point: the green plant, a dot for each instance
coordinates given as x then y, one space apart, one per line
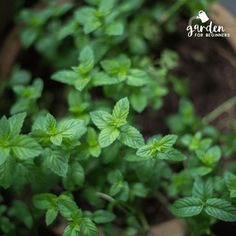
88 164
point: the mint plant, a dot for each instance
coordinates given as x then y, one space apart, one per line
85 162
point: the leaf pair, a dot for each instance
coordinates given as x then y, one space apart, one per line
94 18
79 76
161 148
202 200
119 70
114 126
12 143
47 130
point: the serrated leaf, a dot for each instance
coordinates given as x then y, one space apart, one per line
157 146
171 155
101 119
137 78
71 128
44 201
88 228
131 137
57 161
221 209
75 177
71 230
121 111
107 136
230 180
16 123
86 59
187 207
25 147
211 156
103 217
4 153
203 190
68 207
51 215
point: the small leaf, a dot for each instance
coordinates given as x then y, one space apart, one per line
108 136
86 59
68 207
131 137
220 209
45 201
16 123
230 180
101 119
51 215
103 217
137 78
88 228
115 29
171 155
71 230
121 111
203 190
187 207
25 147
57 161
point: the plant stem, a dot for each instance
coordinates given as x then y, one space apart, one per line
172 10
220 110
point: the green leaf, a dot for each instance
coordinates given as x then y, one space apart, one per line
68 207
107 136
16 123
203 190
187 207
210 157
66 76
131 137
57 161
71 230
138 101
45 201
25 147
103 217
87 17
51 215
101 119
4 128
71 128
171 155
118 67
120 112
7 171
75 177
4 153
88 228
230 180
114 29
86 59
137 77
220 209
106 6
157 146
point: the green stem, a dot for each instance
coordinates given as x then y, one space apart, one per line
128 210
220 110
172 10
